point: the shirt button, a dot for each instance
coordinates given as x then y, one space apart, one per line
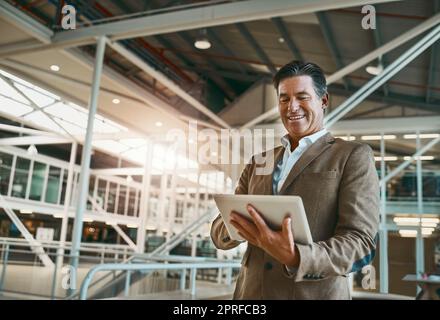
268 266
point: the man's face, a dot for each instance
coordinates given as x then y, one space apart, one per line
300 108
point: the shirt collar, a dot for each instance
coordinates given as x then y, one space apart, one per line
307 139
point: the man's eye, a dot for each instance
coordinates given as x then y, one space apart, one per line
303 98
284 100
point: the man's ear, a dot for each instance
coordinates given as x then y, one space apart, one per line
325 100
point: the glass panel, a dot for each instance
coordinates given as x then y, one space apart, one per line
53 185
20 178
64 187
91 188
131 202
111 198
5 172
37 181
101 192
122 196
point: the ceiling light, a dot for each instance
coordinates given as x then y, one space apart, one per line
422 136
57 215
32 150
116 101
110 223
374 70
87 220
129 179
55 67
385 158
202 42
131 226
385 137
159 124
150 228
25 211
421 158
408 233
281 40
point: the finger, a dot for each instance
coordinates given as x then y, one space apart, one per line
287 229
258 220
246 226
248 239
248 236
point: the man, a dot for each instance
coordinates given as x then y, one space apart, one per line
339 187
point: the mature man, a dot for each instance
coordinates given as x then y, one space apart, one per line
339 187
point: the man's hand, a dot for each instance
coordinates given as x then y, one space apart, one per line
279 244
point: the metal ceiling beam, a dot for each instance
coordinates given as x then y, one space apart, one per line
391 45
224 86
433 61
25 22
254 44
6 127
392 98
377 36
391 70
287 38
207 16
219 44
24 141
167 82
326 30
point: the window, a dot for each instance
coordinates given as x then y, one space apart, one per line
20 178
53 185
5 172
38 175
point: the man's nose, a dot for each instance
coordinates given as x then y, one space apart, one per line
294 105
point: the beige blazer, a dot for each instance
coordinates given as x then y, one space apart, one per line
339 187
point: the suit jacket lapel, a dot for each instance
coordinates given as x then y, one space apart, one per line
265 182
311 153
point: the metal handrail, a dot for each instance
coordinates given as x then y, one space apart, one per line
154 266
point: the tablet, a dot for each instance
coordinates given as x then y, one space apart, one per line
273 209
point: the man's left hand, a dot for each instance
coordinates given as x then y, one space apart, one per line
279 244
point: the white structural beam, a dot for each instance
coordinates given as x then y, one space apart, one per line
24 141
25 22
147 97
138 171
391 45
83 185
62 78
213 15
34 244
159 76
16 129
118 229
392 69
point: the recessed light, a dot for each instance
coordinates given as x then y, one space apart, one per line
129 179
159 124
116 101
214 153
281 40
55 67
25 211
202 44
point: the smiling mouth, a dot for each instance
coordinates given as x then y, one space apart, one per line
295 118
